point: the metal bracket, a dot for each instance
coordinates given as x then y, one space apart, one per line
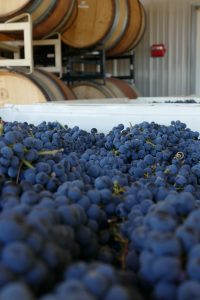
13 25
56 42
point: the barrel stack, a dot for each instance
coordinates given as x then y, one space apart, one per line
113 88
47 16
19 88
116 25
113 24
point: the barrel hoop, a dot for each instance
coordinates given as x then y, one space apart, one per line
53 82
139 26
115 21
127 26
34 5
126 41
143 29
67 92
67 16
123 28
48 11
39 79
52 21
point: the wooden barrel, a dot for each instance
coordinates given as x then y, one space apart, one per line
12 7
142 29
16 87
53 87
120 25
113 88
49 84
132 29
66 91
95 20
91 90
48 16
62 12
116 25
126 90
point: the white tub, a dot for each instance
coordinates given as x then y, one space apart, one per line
105 114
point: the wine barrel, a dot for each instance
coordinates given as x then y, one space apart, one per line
48 22
91 90
126 90
120 25
48 16
132 29
95 20
114 24
16 87
10 8
113 88
142 29
66 91
52 89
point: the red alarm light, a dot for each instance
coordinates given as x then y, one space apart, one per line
158 50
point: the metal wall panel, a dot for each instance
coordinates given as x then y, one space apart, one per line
172 22
169 22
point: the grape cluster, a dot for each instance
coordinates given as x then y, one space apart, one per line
186 101
86 215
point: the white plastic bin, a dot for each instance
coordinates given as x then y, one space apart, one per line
103 115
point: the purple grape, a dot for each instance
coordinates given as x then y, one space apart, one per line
18 257
17 291
12 230
189 290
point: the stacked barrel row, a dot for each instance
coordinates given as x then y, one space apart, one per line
48 16
116 25
111 88
17 87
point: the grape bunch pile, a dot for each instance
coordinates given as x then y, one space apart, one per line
186 101
87 215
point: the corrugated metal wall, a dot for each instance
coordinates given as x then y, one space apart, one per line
169 22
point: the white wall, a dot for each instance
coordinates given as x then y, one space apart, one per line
170 22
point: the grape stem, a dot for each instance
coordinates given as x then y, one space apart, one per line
50 152
63 126
123 245
150 143
27 163
117 189
1 127
19 170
